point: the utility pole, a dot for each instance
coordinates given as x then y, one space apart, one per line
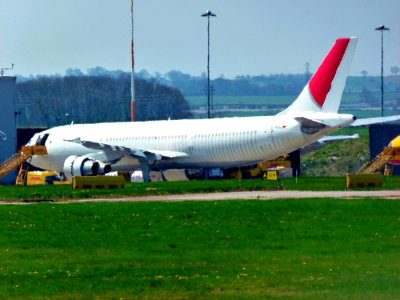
382 28
208 14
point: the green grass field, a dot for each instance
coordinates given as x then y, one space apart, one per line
259 100
285 101
282 100
286 249
65 192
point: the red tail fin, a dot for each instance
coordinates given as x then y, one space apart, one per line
320 83
324 90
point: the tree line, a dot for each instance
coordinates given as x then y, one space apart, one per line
245 85
48 101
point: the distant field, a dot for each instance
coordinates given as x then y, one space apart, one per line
286 249
64 192
272 112
231 114
282 100
259 100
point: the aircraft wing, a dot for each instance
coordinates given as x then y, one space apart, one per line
114 153
369 121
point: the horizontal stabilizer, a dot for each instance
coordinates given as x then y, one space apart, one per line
333 138
377 120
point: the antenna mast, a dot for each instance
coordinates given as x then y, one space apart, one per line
2 70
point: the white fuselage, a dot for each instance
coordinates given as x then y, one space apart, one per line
226 142
92 149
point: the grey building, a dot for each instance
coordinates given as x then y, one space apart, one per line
8 127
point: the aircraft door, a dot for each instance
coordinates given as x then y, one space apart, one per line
190 143
266 142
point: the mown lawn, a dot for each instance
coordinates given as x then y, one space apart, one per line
65 192
287 249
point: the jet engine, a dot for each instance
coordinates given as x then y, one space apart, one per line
83 166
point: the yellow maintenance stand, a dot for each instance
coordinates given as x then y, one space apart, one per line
18 159
369 174
389 157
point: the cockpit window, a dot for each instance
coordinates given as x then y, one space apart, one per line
42 140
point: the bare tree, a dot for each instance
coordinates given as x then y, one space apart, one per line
395 70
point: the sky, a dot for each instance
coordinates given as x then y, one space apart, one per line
248 37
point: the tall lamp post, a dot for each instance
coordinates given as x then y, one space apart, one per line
208 14
382 28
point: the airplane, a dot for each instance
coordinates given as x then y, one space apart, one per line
96 149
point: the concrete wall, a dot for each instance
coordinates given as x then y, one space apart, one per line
8 130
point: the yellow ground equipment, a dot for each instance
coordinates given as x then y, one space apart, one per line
364 180
19 158
272 175
274 164
258 170
44 177
385 159
97 182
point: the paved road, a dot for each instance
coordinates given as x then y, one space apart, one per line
258 195
251 195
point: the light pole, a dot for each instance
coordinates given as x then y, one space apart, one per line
381 28
208 14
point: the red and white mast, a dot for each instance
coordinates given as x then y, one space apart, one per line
133 102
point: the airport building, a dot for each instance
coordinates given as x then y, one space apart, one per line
8 124
380 136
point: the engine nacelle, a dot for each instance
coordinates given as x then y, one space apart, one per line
83 166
